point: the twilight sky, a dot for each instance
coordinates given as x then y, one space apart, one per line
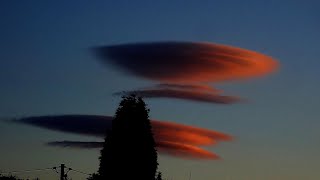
47 68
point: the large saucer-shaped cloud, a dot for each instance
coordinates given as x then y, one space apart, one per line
187 62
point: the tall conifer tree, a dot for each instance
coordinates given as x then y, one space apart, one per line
129 150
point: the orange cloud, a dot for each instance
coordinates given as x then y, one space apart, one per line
182 136
164 147
171 138
175 127
185 150
183 68
187 62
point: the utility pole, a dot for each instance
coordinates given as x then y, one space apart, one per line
62 172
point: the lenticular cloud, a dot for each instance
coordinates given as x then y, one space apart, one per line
186 66
171 138
188 87
180 70
198 96
187 61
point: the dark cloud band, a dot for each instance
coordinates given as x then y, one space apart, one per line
76 144
186 61
187 87
199 96
164 147
187 138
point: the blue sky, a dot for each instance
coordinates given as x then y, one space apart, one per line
46 68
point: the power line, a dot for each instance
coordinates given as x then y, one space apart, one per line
29 170
63 174
80 172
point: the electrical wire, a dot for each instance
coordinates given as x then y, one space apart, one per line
80 172
30 170
44 169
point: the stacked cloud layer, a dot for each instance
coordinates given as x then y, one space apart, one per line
184 68
171 138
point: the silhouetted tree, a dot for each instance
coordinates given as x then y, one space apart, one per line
8 177
159 176
94 176
129 149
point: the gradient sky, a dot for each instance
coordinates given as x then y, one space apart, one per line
46 68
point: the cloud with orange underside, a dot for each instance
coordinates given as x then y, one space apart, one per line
160 125
187 62
171 148
171 138
182 136
185 151
183 69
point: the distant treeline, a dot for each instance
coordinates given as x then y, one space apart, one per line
10 177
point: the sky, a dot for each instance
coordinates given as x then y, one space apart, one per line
47 68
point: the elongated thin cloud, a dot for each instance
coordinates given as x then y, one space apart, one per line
76 144
199 96
185 151
186 62
98 126
183 136
187 87
164 147
219 136
92 125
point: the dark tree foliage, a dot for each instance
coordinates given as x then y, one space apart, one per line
94 176
129 149
159 176
8 177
